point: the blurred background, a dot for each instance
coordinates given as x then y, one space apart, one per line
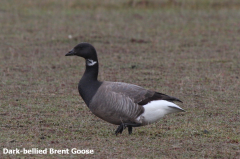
184 48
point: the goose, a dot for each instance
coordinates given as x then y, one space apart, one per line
123 104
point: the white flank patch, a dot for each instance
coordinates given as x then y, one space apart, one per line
155 110
91 62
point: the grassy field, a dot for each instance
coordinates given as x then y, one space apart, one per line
184 48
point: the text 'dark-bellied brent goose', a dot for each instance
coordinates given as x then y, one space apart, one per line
123 104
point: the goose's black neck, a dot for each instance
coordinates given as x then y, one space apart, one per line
89 84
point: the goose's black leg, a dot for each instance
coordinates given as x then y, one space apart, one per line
130 125
120 129
124 125
129 130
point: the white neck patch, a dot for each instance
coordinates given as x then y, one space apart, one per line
90 62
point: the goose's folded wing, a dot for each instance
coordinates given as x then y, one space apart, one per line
114 107
138 94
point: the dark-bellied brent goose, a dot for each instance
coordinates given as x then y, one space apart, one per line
123 104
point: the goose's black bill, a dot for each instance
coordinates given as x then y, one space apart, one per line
70 53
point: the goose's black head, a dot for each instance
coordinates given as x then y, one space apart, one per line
84 50
88 84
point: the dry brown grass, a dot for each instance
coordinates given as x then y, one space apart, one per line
187 49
